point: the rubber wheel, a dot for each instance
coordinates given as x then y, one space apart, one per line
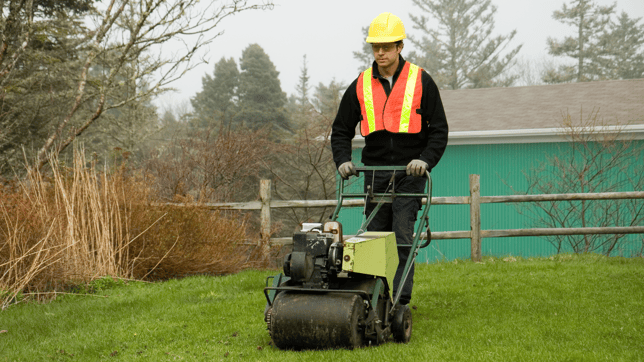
401 325
357 339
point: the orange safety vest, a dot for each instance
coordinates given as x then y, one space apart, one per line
396 113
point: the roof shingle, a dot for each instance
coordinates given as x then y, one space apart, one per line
617 102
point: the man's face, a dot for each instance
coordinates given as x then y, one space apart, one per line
385 54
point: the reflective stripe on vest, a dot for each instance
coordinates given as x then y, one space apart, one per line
371 119
396 113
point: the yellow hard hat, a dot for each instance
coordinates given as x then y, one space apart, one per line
386 28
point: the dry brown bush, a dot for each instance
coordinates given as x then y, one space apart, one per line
79 224
189 240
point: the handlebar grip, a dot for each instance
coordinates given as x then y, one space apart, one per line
380 168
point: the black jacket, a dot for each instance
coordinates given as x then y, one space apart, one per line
383 148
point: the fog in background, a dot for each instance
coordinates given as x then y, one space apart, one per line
329 31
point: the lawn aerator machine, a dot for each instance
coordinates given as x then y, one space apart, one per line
337 291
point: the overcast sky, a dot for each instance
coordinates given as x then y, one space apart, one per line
328 31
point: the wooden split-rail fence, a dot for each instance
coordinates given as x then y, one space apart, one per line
475 234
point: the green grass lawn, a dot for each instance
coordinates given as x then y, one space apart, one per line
567 308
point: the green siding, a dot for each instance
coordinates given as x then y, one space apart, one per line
501 168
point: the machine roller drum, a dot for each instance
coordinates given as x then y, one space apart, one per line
317 320
401 324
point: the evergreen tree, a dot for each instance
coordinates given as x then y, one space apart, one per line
623 48
49 7
216 103
365 55
327 98
460 51
169 125
590 21
40 47
261 99
303 87
128 128
299 105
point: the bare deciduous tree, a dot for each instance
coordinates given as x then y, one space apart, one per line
598 158
209 166
530 70
303 169
149 43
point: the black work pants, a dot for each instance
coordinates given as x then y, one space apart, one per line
398 216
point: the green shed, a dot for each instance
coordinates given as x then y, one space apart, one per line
500 134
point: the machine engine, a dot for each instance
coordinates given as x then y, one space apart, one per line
316 257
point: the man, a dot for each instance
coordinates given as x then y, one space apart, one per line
402 119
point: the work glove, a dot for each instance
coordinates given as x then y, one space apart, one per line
416 168
347 169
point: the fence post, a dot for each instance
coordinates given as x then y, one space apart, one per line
475 216
265 213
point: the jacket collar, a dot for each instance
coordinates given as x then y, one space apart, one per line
376 73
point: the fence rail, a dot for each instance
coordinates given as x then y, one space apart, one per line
475 234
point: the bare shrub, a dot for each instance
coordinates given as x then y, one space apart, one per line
78 224
209 166
188 240
598 158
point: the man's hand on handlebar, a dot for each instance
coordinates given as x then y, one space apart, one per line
417 168
347 169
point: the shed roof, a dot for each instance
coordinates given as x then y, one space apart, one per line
618 102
